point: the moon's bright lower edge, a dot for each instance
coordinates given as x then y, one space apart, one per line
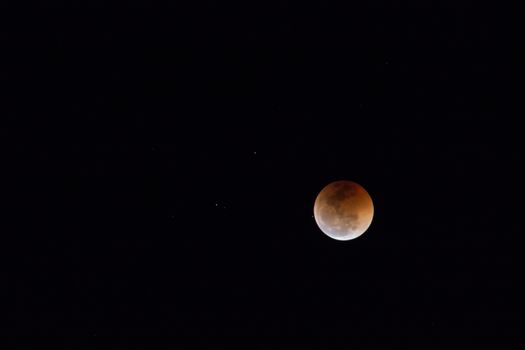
343 210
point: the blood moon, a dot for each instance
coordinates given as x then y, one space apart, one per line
343 210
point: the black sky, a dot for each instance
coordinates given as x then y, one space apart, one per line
161 167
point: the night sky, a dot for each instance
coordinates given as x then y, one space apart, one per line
160 170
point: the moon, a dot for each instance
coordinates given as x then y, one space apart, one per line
343 210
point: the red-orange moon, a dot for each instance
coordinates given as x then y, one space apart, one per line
343 210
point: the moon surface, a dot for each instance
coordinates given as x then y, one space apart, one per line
343 210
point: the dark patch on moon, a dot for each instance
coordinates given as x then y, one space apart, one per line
342 192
